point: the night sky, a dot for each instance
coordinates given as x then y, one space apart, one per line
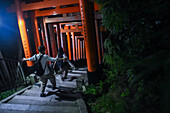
9 33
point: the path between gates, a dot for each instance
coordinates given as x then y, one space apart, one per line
64 99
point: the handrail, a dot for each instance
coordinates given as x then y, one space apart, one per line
11 74
9 59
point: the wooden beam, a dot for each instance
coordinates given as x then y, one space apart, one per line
42 5
71 30
72 23
80 37
68 19
57 10
62 19
46 4
50 3
72 27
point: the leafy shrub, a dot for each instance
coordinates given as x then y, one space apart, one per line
6 94
136 58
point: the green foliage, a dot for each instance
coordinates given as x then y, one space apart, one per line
125 93
109 104
6 94
136 58
91 90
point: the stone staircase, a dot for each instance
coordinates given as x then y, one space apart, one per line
64 99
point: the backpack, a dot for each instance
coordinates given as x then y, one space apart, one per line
39 71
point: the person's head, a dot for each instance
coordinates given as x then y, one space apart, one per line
41 49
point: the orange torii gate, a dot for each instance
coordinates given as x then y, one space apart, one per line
87 17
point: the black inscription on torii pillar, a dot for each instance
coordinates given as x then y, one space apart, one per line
83 21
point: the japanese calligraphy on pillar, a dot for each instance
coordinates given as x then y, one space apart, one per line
23 33
83 19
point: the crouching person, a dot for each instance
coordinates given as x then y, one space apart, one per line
43 59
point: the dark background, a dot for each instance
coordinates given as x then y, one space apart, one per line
10 42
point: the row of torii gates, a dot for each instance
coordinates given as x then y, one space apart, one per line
71 24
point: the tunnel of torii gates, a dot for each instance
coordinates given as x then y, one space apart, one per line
73 25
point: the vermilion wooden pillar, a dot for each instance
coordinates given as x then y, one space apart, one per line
52 40
46 37
84 51
35 30
23 33
87 16
43 35
102 38
61 35
73 42
64 44
69 45
98 42
58 35
76 48
79 49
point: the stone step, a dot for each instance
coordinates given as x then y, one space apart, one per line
43 102
82 69
49 103
31 93
66 82
32 100
74 74
34 92
37 108
19 111
79 71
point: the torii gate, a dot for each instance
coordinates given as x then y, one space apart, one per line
86 7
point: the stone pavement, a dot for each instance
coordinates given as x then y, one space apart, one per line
64 99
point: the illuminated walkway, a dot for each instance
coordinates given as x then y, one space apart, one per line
74 25
65 99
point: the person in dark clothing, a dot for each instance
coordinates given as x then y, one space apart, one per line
63 67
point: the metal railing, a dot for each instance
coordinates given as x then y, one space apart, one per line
11 74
